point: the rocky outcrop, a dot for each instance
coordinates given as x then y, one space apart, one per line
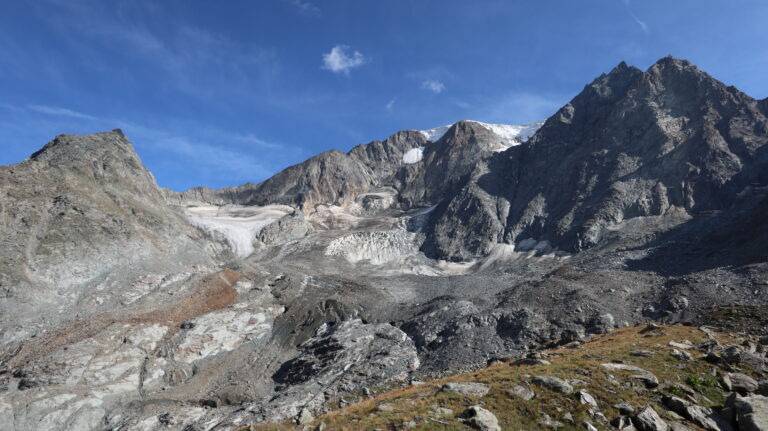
631 144
339 359
84 210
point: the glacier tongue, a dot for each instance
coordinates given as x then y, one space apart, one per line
239 225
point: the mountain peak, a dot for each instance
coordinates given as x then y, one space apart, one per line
669 64
76 148
623 68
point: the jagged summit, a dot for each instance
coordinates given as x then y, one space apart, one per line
631 144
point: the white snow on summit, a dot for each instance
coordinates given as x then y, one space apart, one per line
511 134
433 135
413 155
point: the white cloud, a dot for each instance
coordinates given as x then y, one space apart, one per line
305 7
391 105
434 86
642 24
60 112
518 108
341 60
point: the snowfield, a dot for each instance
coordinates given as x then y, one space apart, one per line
239 225
511 134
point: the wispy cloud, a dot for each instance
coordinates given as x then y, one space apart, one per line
207 154
196 61
251 139
341 59
391 105
518 107
214 158
62 112
434 86
642 24
305 7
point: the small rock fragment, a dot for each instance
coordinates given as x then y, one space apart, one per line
586 398
304 417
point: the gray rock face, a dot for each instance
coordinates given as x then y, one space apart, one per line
632 144
340 359
83 210
288 228
384 158
752 413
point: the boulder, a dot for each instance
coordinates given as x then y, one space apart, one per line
554 383
624 408
304 417
742 383
645 376
706 418
649 420
547 422
480 419
522 392
586 398
762 387
752 413
470 389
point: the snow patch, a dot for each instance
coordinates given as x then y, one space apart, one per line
238 225
510 134
435 134
413 155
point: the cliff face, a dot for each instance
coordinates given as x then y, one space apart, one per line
631 144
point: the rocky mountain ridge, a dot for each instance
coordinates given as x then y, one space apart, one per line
126 306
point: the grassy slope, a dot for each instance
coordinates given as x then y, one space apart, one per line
414 403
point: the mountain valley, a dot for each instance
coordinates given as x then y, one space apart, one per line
127 306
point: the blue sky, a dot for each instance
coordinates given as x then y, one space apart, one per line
221 93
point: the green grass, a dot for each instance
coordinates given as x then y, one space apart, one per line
414 403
